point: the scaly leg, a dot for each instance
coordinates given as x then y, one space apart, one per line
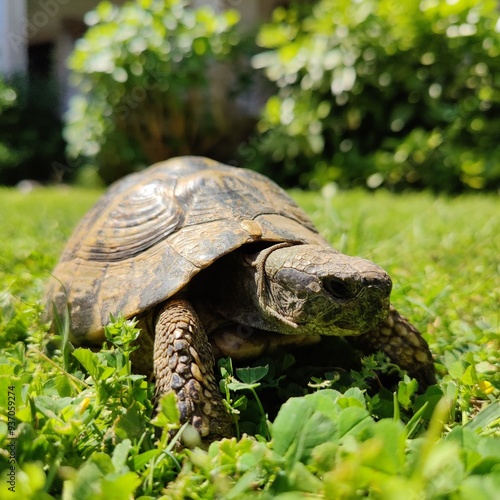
184 363
403 344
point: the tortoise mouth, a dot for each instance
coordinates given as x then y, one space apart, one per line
347 329
345 318
333 327
345 325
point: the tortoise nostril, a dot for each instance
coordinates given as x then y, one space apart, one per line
338 288
383 284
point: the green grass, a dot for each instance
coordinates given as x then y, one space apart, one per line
83 425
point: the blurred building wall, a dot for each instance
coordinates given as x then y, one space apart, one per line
13 40
37 36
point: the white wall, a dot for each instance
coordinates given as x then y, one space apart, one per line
13 37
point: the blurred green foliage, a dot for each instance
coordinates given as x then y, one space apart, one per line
147 83
30 129
381 92
8 98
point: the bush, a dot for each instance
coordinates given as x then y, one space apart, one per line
384 92
30 130
143 73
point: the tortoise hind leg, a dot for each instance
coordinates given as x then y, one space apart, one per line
403 344
184 363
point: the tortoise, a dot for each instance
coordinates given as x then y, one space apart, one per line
196 250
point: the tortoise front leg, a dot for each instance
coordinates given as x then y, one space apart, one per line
403 344
184 363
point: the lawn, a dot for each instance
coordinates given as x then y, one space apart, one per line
80 423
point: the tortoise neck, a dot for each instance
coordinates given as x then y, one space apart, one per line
235 289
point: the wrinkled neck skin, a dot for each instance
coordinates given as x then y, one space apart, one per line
303 290
235 294
249 302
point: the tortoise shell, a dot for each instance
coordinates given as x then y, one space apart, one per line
154 230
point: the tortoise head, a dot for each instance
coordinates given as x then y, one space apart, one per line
311 289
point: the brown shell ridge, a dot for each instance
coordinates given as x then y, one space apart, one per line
142 219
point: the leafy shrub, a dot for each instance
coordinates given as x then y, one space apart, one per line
30 130
8 98
384 92
143 73
80 426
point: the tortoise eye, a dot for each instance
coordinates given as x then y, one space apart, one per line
338 288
